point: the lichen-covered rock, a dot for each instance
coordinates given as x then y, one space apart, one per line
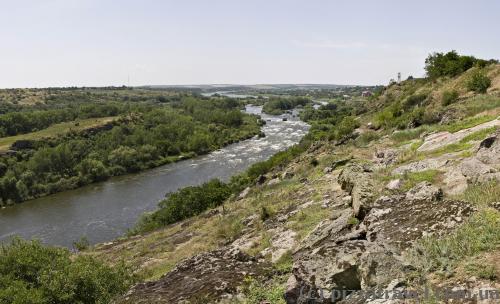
424 191
385 158
357 181
394 184
209 276
340 254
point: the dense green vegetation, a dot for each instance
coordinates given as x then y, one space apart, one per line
14 123
479 82
187 202
147 137
332 121
449 97
279 105
34 274
451 64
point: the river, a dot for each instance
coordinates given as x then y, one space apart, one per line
104 211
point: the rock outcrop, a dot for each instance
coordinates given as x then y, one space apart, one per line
344 254
442 139
207 277
357 181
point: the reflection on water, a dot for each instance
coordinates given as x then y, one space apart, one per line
104 211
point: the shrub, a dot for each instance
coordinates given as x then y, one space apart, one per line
449 97
345 128
82 244
479 82
185 203
32 273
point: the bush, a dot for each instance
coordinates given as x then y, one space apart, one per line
32 273
185 203
345 128
449 97
479 82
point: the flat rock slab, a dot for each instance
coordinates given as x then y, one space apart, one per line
426 164
442 139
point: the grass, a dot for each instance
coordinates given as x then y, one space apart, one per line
405 136
480 234
306 220
229 228
481 270
477 104
479 135
451 148
55 130
366 138
285 263
465 123
410 134
258 292
481 194
413 178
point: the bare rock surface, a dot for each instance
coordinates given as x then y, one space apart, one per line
342 253
205 277
425 164
442 139
357 181
482 167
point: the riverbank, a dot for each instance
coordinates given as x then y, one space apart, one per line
104 211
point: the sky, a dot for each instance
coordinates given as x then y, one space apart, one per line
151 42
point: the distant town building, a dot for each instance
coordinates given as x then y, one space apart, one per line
366 94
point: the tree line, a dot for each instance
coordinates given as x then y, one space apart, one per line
152 137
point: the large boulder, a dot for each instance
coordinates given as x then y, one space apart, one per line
356 180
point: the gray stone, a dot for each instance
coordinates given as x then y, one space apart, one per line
274 181
424 191
356 181
394 184
244 193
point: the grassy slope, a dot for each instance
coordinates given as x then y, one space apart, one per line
56 130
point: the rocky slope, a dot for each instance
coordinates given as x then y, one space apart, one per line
402 211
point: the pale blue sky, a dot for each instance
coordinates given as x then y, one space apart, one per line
101 42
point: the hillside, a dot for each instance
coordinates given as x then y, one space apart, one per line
406 201
397 192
